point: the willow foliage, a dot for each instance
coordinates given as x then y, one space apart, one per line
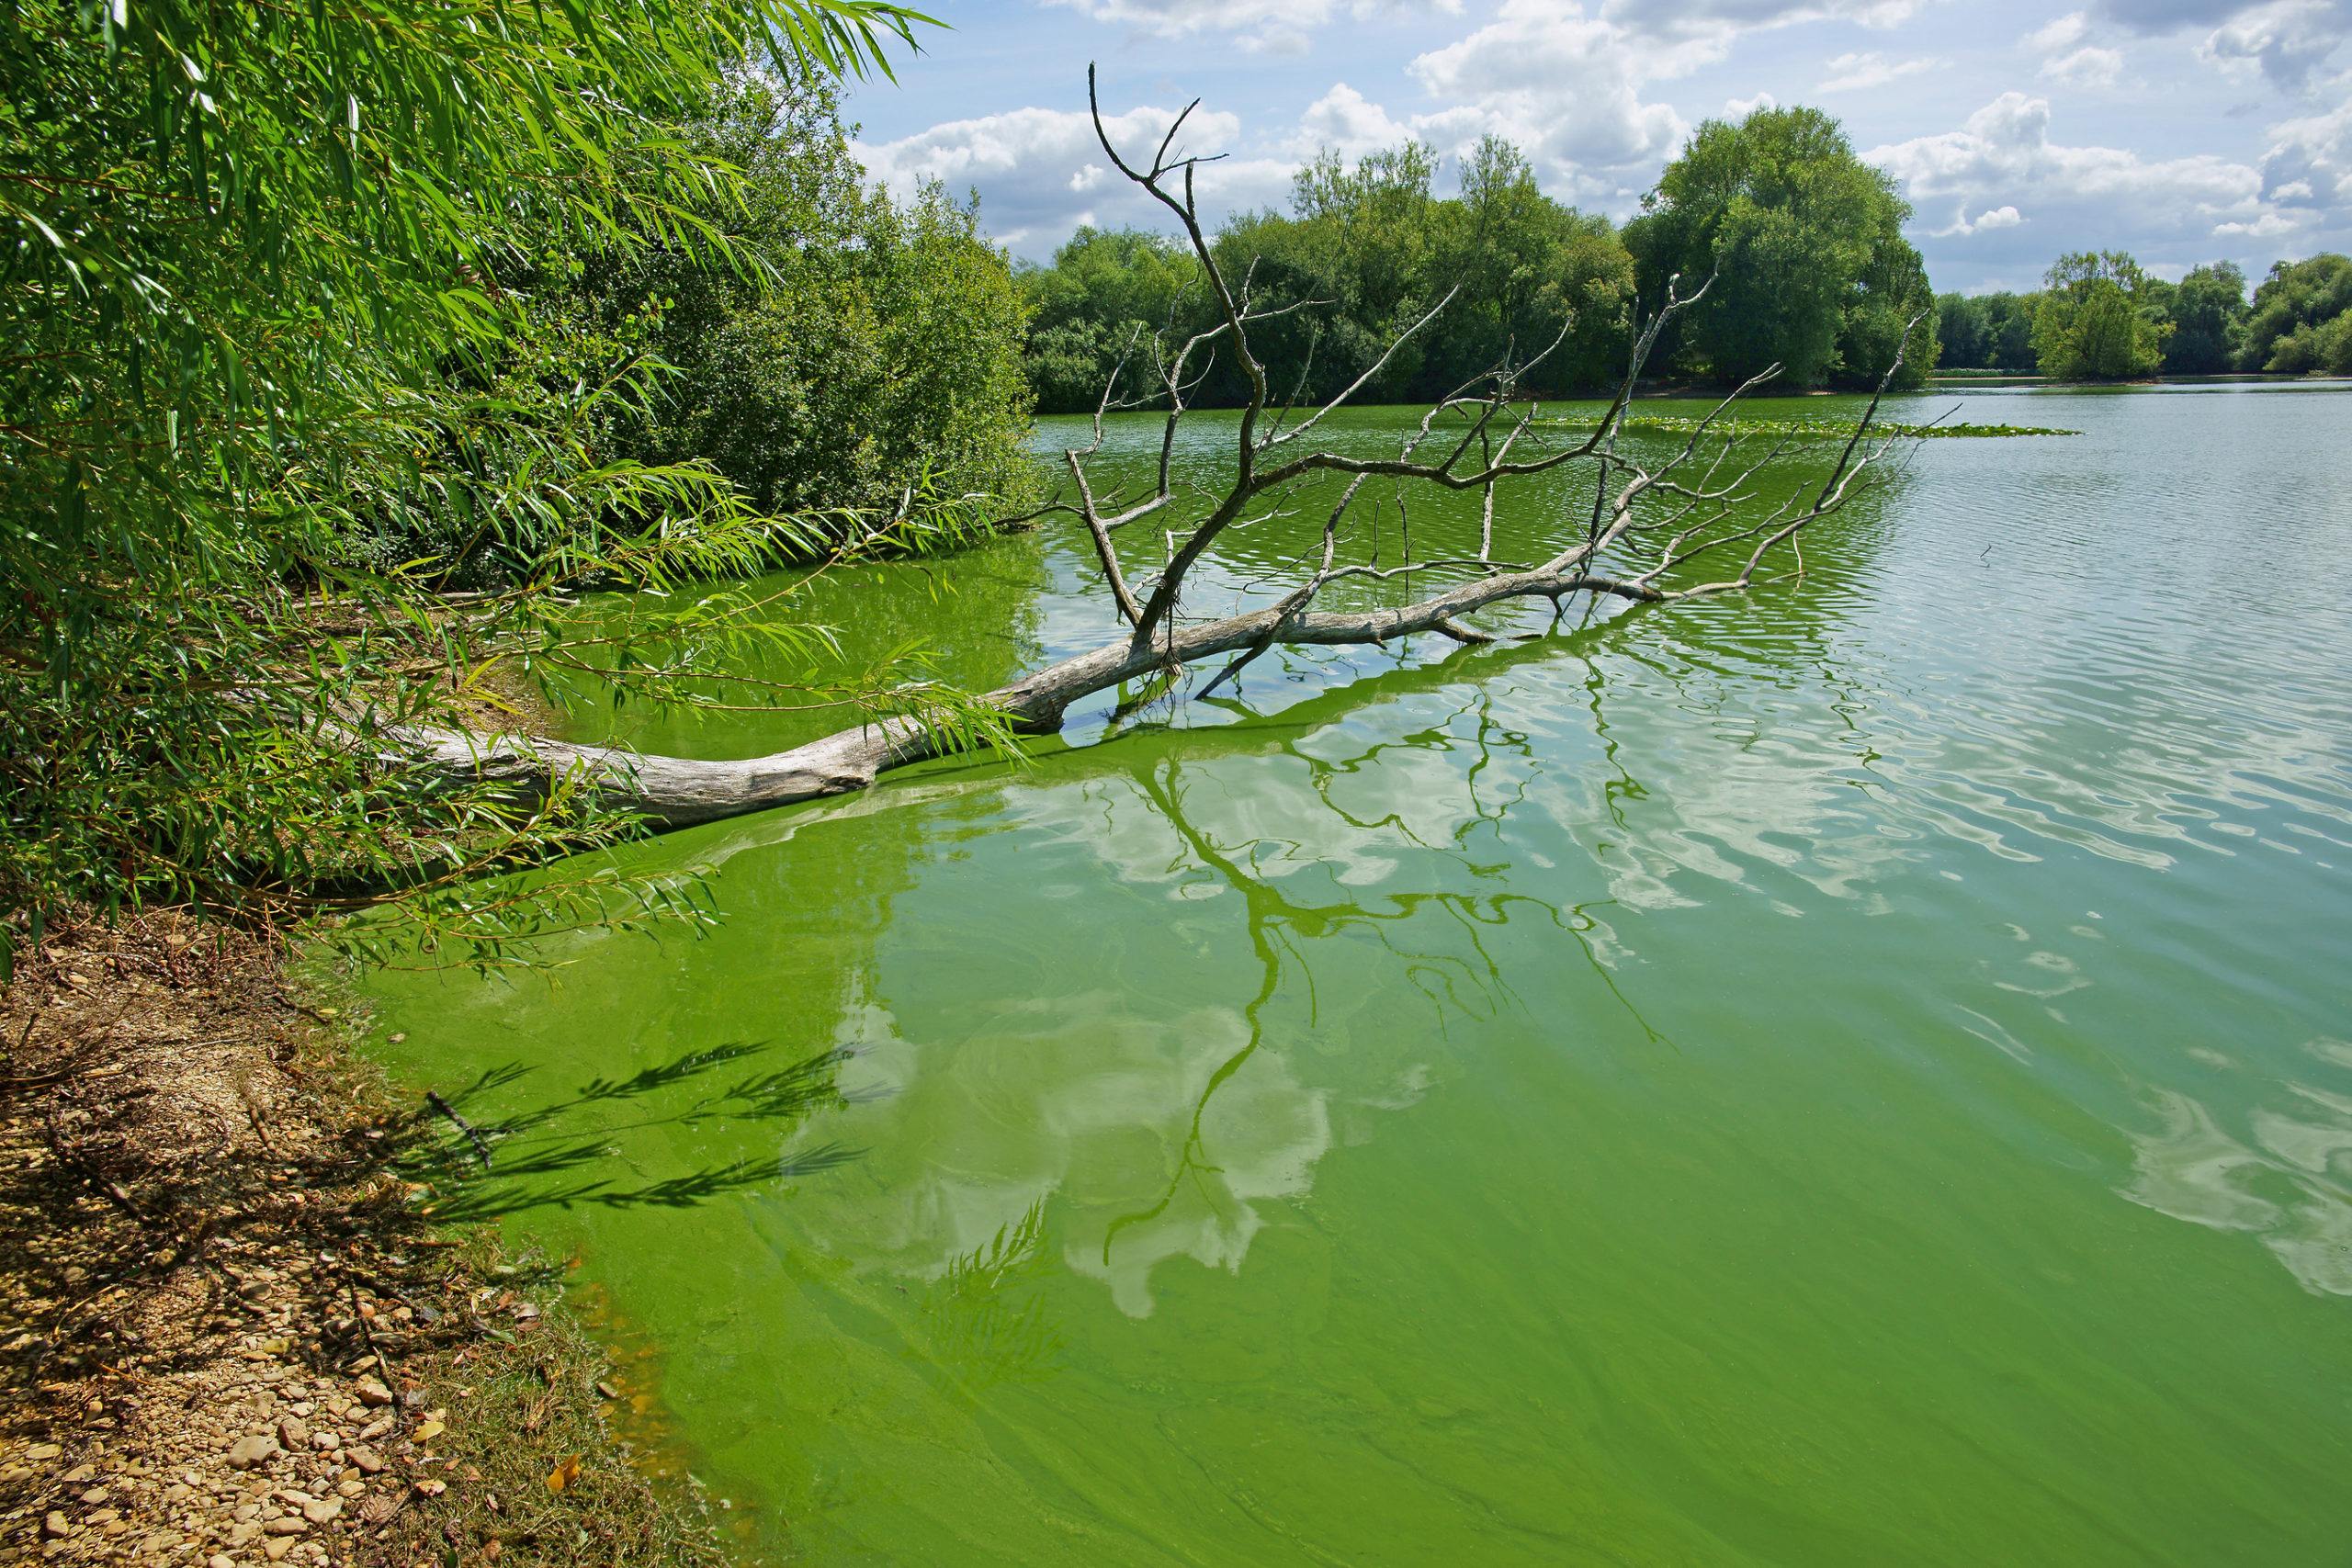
254 340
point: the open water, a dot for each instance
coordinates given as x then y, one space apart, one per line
1856 1074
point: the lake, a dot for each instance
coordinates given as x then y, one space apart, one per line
1858 1073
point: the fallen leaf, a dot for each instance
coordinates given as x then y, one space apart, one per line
565 1473
428 1430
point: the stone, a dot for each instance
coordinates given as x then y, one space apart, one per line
276 1547
162 1540
376 1429
40 1451
370 1392
247 1453
322 1510
55 1526
242 1533
94 1496
220 1560
285 1524
293 1431
368 1460
352 1488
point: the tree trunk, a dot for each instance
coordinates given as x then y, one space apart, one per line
677 792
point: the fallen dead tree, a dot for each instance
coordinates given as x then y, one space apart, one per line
1649 524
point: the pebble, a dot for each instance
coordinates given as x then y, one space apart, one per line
293 1431
247 1453
373 1392
285 1524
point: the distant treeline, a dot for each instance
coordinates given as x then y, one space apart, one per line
1815 274
2100 317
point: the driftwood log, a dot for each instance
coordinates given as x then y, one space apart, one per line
1645 527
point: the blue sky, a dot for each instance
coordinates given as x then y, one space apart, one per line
2182 131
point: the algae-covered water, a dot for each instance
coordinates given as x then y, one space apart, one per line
1858 1074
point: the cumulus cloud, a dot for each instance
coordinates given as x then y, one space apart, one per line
2004 161
2085 67
2063 34
2288 41
2068 58
1850 73
2002 216
1043 174
1565 86
1345 119
2308 169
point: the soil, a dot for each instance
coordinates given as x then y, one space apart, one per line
228 1337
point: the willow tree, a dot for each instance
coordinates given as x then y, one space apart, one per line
249 328
1712 515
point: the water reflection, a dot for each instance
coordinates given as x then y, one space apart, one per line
1332 994
559 1153
2290 1191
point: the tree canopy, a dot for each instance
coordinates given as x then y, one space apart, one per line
263 335
1366 249
848 348
1804 241
2302 318
2099 320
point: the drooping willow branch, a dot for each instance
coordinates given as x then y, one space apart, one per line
1649 523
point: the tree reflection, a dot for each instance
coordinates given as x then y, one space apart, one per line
542 1156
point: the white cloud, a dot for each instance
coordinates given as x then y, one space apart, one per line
1998 218
2004 159
2064 33
2270 226
1043 173
1345 119
2085 67
2309 165
2288 41
1740 108
1850 73
1565 87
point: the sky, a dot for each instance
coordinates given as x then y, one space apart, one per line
2181 130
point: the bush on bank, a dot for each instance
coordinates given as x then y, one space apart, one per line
267 394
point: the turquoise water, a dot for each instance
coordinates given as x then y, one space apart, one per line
1859 1073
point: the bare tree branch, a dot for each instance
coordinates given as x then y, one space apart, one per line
1646 523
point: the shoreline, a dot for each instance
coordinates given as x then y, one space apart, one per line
228 1335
